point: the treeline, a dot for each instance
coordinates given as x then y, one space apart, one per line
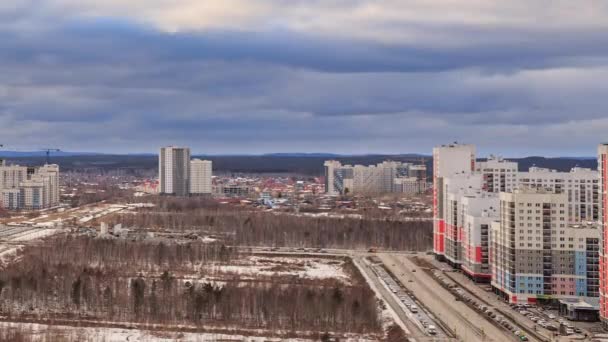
81 252
256 228
85 278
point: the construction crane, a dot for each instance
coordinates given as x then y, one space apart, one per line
48 153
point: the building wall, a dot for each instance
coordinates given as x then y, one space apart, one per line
174 170
447 161
603 218
498 174
537 254
454 189
29 188
480 210
200 176
360 179
580 184
409 185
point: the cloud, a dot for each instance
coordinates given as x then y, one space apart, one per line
270 76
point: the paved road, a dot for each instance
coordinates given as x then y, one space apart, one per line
389 299
464 321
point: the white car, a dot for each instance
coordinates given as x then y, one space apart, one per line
552 316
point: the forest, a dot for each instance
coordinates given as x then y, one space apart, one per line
76 278
241 227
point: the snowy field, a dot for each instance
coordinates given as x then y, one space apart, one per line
57 333
312 268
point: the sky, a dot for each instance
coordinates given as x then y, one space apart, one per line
517 77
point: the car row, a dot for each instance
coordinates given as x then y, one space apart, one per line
406 299
461 295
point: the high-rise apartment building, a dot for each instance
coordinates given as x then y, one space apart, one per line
374 179
580 184
174 170
455 188
499 175
479 211
29 188
537 255
200 177
602 165
448 160
330 169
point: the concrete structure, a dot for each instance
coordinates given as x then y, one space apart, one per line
499 175
418 172
29 188
455 188
537 255
174 171
409 185
330 169
232 190
374 179
479 211
580 184
200 177
602 161
448 160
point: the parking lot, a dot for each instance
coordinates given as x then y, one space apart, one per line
544 321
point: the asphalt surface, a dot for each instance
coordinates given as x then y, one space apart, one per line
468 324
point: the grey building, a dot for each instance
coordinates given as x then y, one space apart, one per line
174 171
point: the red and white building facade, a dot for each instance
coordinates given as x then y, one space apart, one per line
448 160
602 166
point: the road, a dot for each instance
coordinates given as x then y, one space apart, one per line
464 321
414 328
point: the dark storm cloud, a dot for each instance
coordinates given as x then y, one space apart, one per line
113 85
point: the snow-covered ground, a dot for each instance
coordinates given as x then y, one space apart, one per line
35 234
313 268
46 333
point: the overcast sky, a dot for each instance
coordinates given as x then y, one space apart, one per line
517 77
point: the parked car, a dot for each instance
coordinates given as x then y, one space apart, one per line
552 316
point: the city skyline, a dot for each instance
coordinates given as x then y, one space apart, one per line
266 76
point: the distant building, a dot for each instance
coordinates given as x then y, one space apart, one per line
200 177
330 169
418 172
373 179
409 185
232 190
29 188
174 171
